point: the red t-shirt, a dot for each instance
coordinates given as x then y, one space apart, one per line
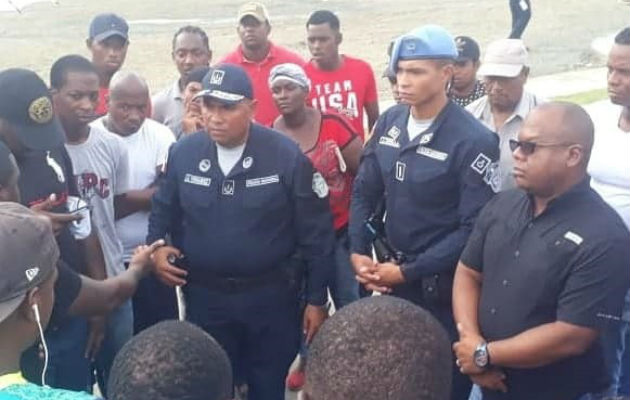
101 108
258 72
345 90
335 133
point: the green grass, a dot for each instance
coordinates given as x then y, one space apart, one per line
584 97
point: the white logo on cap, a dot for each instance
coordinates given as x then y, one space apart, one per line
217 77
247 162
31 273
204 165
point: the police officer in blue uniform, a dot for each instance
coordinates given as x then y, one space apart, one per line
432 164
245 210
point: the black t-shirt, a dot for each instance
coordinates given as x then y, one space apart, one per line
41 174
67 290
570 264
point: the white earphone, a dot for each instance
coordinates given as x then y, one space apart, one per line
38 320
36 312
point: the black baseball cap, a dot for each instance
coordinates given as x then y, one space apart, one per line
104 26
26 103
227 83
467 49
29 254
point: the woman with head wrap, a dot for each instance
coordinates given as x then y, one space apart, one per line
334 148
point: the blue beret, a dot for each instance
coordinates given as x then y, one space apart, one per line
429 42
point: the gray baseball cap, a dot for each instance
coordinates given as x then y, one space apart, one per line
29 254
504 57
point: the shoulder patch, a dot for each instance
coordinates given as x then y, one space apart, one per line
320 187
481 163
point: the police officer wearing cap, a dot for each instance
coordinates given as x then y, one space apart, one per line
246 210
431 165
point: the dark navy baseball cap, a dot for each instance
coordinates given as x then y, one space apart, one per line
104 26
26 103
467 49
429 42
227 83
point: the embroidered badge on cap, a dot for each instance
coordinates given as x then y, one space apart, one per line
400 171
204 165
227 189
217 77
41 110
320 187
247 162
481 163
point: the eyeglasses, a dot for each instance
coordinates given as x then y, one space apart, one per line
528 148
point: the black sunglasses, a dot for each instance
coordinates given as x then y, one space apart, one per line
529 147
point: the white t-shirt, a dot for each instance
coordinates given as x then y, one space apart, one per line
101 169
609 165
228 157
416 126
147 149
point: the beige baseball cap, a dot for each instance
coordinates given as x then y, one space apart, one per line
256 10
504 57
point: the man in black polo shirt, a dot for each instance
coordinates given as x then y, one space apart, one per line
34 135
545 269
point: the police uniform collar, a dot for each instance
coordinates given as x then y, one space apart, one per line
248 159
428 136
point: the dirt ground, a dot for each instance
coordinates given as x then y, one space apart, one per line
559 34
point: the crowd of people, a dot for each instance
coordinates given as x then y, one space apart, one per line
469 242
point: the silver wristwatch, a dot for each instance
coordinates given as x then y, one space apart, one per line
481 357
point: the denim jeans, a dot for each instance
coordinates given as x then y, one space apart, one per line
118 331
345 288
614 339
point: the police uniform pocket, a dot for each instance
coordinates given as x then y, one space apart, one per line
195 195
264 196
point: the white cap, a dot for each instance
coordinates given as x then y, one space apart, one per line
504 57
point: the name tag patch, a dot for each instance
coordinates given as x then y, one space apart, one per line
265 180
197 180
387 141
432 153
574 237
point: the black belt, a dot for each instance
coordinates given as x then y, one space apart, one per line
288 273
